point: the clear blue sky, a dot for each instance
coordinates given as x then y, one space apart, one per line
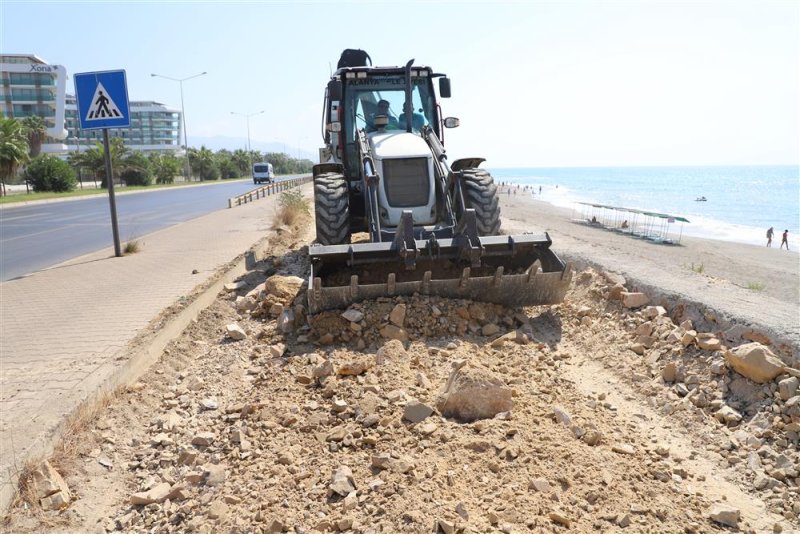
534 83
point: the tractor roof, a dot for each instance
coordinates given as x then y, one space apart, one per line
371 70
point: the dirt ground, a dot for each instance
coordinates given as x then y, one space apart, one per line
584 416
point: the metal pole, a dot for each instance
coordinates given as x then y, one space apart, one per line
185 136
183 116
248 133
111 200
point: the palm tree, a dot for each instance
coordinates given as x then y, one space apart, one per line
14 150
241 159
36 131
202 162
94 159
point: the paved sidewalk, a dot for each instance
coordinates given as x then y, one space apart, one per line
64 331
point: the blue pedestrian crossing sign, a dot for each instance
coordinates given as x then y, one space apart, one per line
102 100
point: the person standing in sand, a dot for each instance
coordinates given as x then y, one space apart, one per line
770 233
785 239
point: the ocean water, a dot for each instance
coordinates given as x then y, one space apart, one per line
742 202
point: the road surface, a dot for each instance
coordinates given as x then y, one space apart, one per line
38 236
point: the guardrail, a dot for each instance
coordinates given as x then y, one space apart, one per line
267 190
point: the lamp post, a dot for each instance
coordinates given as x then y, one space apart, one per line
247 117
183 116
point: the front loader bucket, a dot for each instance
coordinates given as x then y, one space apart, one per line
510 270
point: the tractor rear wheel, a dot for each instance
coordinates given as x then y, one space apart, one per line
332 209
480 193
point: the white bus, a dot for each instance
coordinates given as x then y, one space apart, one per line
262 173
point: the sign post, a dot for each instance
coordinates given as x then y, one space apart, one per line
103 104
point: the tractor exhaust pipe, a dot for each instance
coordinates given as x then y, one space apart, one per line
408 108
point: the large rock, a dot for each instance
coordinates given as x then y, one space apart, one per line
634 300
157 493
235 332
391 331
356 366
754 361
398 315
415 411
725 514
285 288
788 387
342 481
50 487
472 394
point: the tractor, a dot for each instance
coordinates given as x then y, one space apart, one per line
393 217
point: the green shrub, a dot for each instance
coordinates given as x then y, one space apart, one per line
293 207
137 169
137 177
48 173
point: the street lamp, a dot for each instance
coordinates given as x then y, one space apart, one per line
183 115
249 151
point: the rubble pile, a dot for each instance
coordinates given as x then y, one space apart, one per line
422 414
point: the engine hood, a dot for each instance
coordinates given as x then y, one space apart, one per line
398 144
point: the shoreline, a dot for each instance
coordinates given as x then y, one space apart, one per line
743 201
737 283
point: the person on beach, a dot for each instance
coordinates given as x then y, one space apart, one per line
770 233
785 239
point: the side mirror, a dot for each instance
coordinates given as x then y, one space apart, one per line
451 122
335 90
444 87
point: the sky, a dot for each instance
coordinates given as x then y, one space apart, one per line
534 84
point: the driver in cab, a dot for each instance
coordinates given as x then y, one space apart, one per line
382 109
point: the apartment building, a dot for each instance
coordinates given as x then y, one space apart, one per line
30 86
154 127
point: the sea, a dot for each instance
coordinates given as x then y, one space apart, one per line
742 202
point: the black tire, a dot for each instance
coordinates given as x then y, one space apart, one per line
332 209
480 193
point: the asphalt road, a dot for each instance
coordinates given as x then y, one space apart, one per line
38 236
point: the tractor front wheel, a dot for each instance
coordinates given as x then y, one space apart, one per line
480 193
332 209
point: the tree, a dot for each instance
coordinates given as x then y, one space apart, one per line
202 163
14 149
241 160
48 173
94 159
36 131
137 169
165 167
224 162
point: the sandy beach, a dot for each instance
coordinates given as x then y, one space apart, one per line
671 271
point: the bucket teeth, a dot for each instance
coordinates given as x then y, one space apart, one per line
518 270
